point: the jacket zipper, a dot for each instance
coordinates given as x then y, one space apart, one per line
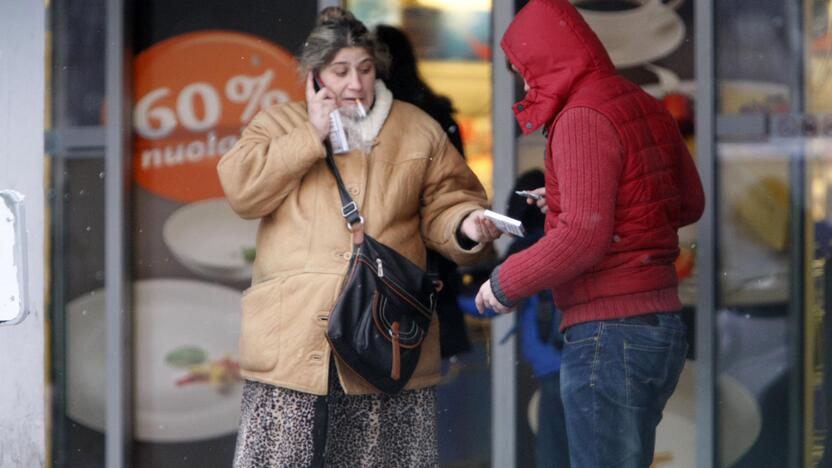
380 268
413 302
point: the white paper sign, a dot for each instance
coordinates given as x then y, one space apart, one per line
12 258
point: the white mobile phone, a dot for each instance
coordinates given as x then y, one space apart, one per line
506 224
528 194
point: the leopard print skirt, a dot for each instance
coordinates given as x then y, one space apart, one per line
281 427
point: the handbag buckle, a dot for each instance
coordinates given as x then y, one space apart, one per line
360 221
349 209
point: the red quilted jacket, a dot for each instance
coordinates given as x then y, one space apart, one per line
619 178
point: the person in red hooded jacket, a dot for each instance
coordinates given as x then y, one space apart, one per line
620 182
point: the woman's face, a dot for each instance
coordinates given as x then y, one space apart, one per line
351 75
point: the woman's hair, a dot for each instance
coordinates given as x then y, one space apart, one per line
336 29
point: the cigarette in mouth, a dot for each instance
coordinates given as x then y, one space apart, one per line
361 111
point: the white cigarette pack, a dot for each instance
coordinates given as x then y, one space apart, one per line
506 224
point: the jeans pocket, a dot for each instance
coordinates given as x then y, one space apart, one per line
669 320
582 333
650 320
650 355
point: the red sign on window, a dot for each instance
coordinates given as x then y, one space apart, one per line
193 95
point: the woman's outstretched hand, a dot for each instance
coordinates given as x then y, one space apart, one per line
319 104
478 228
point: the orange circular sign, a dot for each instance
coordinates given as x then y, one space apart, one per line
193 95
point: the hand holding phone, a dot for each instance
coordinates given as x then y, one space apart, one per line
320 102
535 197
336 134
528 194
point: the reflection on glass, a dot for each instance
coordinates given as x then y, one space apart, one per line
76 214
78 84
818 355
202 70
752 321
756 222
77 321
452 43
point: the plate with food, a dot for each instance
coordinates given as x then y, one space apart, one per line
208 238
187 384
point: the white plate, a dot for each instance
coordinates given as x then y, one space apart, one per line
770 288
169 314
657 90
740 421
532 412
653 45
209 239
746 92
635 47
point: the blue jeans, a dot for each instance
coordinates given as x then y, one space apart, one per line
616 376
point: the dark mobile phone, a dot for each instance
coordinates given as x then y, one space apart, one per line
316 82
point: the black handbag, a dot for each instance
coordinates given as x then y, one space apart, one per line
383 312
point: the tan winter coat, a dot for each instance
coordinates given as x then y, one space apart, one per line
413 190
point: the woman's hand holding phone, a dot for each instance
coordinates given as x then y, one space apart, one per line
319 104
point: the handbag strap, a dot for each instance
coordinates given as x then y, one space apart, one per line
349 209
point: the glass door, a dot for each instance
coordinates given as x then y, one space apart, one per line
772 202
76 200
201 71
816 127
144 318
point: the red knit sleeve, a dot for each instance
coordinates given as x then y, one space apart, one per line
587 162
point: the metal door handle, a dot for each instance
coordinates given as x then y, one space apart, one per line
13 275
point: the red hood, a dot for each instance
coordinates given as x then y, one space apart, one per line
554 49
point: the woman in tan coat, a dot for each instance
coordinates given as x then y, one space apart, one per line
301 406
